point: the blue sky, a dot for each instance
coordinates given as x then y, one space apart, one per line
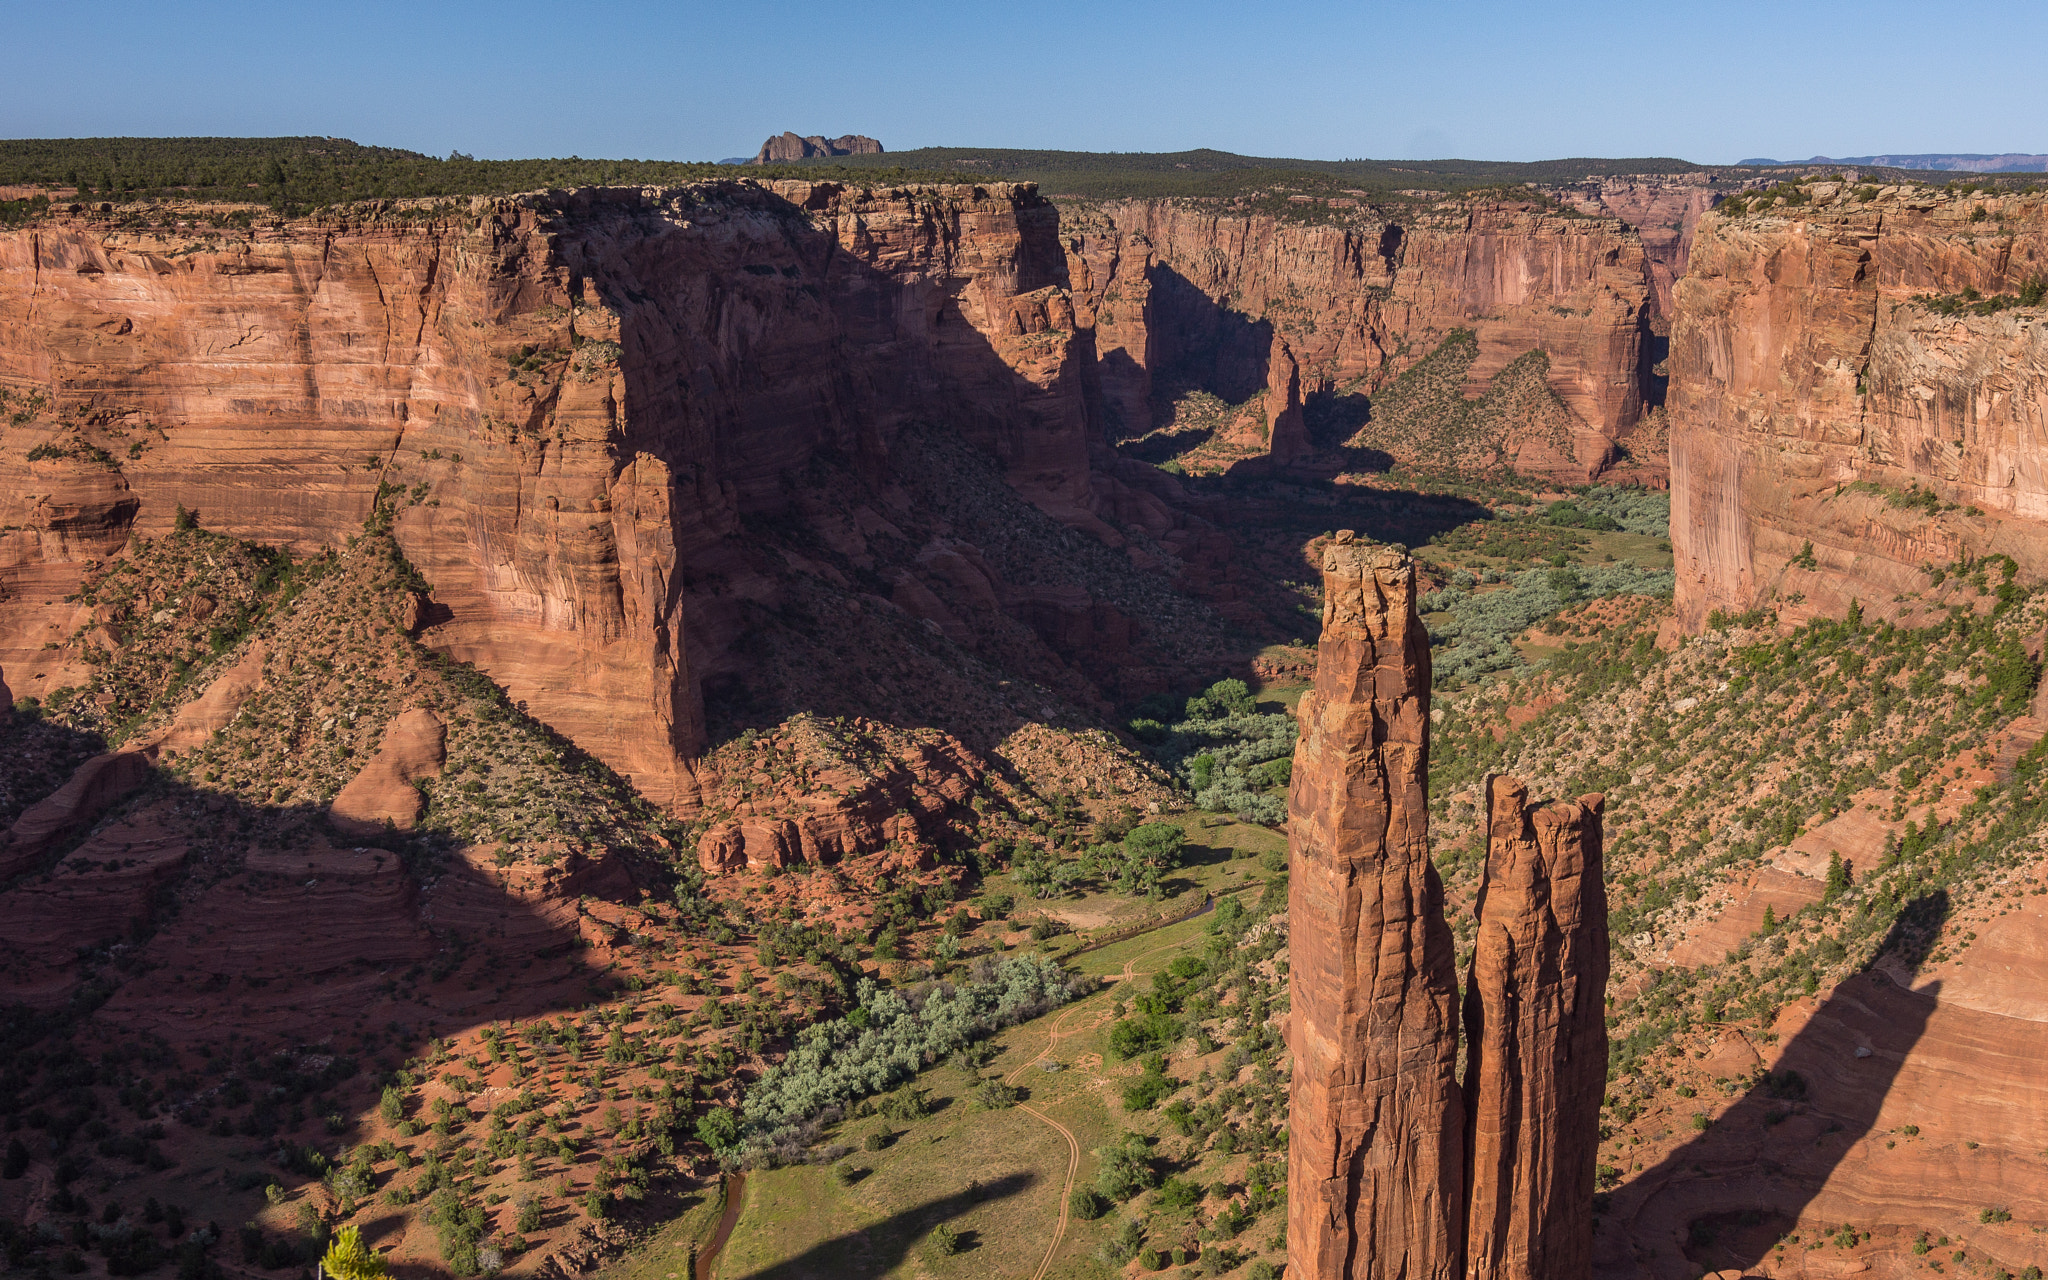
1706 81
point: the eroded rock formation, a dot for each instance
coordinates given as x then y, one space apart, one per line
1374 1159
1664 209
1814 390
787 146
1536 1039
1393 1171
382 792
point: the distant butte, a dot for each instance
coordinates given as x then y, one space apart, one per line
785 147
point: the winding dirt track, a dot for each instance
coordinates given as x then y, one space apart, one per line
1073 1144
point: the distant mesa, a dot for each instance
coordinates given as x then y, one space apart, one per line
787 146
2008 162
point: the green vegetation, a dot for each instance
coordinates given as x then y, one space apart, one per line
301 173
1268 180
1229 754
1424 415
348 1258
1473 640
1199 1175
1972 303
891 1035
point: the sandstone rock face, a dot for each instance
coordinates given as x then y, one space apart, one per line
564 403
787 146
1664 210
1811 391
414 748
1536 1040
1374 1159
96 784
1357 304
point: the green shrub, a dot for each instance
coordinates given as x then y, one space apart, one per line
1145 1092
1178 1193
1087 1204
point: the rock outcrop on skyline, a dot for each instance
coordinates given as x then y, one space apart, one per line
1375 1121
1843 416
1393 1170
1535 1039
786 146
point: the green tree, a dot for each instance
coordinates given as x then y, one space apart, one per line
1224 698
1149 853
348 1258
1838 878
392 1106
459 1226
719 1129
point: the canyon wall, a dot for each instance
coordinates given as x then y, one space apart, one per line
1374 1166
1664 210
567 405
1187 294
1832 433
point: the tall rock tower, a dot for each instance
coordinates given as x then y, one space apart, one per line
1375 1155
1535 1040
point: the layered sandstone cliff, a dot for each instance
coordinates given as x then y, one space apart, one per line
1842 417
1374 1161
1196 294
566 405
1536 1039
1664 210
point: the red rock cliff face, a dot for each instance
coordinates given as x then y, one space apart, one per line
1374 1166
1536 1040
1356 304
1664 210
568 402
1802 365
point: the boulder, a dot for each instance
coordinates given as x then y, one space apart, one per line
414 747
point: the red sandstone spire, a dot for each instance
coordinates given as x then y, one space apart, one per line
1536 1039
1374 1160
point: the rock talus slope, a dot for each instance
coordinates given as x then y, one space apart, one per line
1815 389
1374 1167
1536 1039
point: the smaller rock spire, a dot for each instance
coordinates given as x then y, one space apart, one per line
1535 1039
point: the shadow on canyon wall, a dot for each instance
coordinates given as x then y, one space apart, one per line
1723 1200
